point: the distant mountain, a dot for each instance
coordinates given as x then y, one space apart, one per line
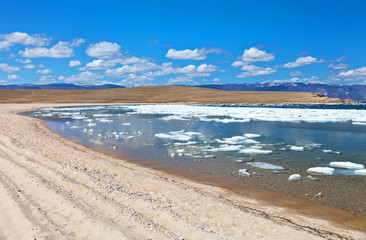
59 86
354 92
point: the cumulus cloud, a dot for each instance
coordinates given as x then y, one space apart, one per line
103 64
302 61
60 50
25 61
46 79
103 50
44 71
297 73
8 40
187 54
355 74
13 77
251 71
74 63
134 79
9 69
84 77
77 42
252 55
340 66
134 68
29 66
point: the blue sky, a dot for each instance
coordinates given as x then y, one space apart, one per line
182 42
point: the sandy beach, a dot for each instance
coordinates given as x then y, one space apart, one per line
53 188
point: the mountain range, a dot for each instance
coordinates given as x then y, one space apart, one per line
354 92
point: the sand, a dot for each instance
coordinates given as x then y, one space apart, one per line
53 188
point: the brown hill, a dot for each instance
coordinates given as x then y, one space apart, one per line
157 94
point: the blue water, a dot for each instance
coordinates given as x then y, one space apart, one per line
207 145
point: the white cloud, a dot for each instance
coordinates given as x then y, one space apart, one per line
21 38
187 54
340 66
253 54
74 63
25 61
46 79
103 50
77 42
302 61
9 69
29 66
297 73
134 68
216 80
84 77
13 77
61 78
44 71
3 82
40 65
312 79
252 71
99 64
355 74
133 79
103 64
60 50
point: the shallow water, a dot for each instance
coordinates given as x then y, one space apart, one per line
271 142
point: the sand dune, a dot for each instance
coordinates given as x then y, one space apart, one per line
53 188
157 94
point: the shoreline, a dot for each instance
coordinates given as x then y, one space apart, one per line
239 209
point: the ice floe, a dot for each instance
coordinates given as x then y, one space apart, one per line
298 177
244 172
347 165
178 135
255 151
296 148
242 114
321 170
330 151
267 166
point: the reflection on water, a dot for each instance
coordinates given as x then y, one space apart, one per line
321 158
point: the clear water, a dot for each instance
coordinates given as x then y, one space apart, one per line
272 142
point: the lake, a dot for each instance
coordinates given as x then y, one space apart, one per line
315 151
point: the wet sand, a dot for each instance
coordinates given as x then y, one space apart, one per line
53 188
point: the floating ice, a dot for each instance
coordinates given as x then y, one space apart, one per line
255 151
225 148
126 124
296 148
348 165
244 172
91 124
361 172
73 127
298 177
330 151
321 170
240 114
185 143
252 135
178 135
267 166
294 177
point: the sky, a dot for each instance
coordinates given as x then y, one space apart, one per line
139 42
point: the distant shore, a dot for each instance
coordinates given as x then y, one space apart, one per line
53 187
160 94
